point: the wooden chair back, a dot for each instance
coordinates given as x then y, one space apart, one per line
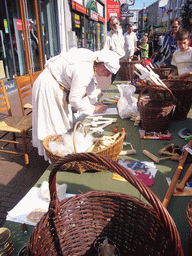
4 102
17 126
35 75
24 86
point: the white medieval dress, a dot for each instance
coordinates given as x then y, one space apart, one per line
73 71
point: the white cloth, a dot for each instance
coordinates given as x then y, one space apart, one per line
183 61
130 40
110 59
161 39
74 71
115 42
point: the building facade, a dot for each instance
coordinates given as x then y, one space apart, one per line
159 15
32 31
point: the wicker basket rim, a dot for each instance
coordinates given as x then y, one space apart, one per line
50 137
160 87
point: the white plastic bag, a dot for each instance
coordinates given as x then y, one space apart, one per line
127 104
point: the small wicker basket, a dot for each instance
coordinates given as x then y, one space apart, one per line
111 151
72 226
155 110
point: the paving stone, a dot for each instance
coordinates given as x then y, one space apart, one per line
16 179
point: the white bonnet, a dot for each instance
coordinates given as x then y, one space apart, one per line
110 59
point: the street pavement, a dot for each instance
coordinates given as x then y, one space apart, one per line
16 178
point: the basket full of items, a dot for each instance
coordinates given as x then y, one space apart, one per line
155 110
104 222
155 102
56 146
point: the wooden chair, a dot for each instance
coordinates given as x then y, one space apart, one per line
12 125
35 75
24 85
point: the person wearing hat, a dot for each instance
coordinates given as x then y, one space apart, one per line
130 42
66 84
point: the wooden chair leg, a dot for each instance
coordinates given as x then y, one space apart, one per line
14 138
25 148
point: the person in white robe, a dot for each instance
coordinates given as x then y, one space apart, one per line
68 82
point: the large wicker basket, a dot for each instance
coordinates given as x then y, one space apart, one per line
155 109
127 68
112 151
72 226
182 91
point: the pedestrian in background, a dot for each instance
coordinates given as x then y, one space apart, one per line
182 58
144 48
115 40
130 42
170 43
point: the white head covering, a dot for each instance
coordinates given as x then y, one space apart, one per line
77 55
110 59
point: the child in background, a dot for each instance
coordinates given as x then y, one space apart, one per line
144 48
182 58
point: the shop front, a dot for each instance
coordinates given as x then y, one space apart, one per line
28 36
94 24
87 24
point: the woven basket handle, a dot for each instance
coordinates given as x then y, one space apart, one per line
158 86
74 134
132 179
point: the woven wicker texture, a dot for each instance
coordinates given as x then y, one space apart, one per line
189 218
162 72
71 226
127 68
182 92
111 152
154 109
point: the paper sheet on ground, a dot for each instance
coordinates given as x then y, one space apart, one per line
145 171
29 203
109 111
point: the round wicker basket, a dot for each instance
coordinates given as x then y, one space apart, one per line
182 91
72 226
155 110
111 151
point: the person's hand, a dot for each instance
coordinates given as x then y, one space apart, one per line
100 108
170 76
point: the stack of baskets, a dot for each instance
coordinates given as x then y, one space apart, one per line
72 226
112 151
155 108
182 91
